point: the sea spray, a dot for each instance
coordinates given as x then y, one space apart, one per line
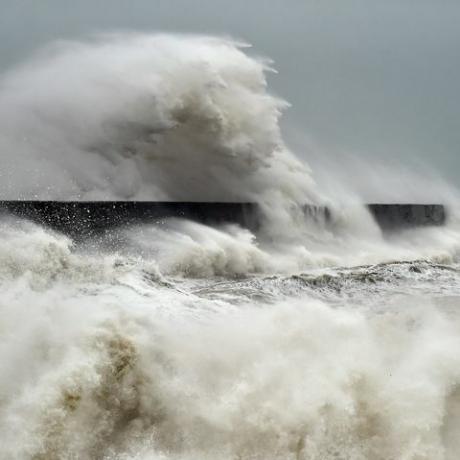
146 117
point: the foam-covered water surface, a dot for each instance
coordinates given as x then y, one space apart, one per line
103 355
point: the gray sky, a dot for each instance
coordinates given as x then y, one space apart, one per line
380 79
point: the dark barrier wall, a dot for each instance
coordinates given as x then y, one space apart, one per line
75 217
396 216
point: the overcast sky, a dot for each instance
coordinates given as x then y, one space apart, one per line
377 78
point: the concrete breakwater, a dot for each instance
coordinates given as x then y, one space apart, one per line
80 217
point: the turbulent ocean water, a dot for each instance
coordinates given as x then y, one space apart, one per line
308 340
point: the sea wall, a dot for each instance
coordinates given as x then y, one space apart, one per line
76 217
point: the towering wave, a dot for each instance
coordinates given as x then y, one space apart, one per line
151 117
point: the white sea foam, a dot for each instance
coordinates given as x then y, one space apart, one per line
126 366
